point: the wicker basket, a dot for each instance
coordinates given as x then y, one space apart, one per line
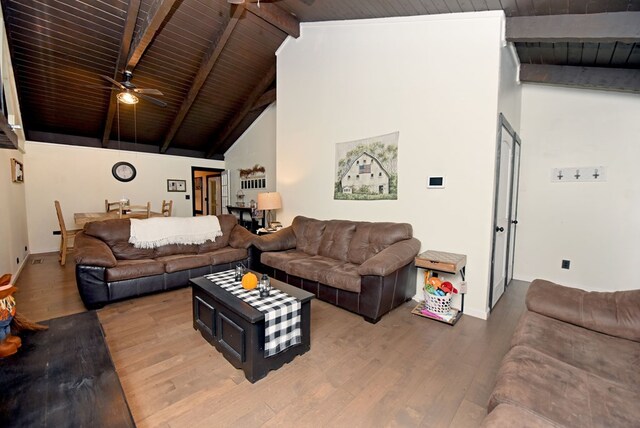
437 304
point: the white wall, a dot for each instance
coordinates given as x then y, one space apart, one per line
510 90
432 78
594 225
13 223
13 216
80 178
257 145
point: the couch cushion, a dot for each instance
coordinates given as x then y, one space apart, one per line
173 249
614 313
599 354
308 233
180 262
371 238
507 416
129 269
110 231
227 255
344 277
227 223
115 233
280 259
311 268
561 393
336 238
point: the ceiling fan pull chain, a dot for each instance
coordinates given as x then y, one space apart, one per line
135 128
118 113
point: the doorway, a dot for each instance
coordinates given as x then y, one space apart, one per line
206 190
505 214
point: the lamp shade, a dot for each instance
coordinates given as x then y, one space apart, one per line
269 201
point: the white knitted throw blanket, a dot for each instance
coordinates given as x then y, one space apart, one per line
157 231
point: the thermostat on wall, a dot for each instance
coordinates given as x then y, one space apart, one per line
435 182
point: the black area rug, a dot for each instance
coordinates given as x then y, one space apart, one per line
63 377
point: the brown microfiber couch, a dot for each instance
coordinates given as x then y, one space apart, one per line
108 268
364 267
574 361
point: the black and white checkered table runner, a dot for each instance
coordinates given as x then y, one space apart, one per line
281 312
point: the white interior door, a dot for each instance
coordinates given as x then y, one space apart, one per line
215 198
502 218
505 213
513 218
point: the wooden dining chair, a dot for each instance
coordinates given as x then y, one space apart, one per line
112 206
67 235
139 211
167 207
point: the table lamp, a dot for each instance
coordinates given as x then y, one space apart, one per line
269 201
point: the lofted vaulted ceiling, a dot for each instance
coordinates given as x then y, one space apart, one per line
215 62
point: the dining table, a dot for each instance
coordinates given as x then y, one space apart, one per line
83 218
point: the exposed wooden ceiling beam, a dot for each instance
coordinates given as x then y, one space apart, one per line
125 44
611 79
11 141
158 12
594 27
265 99
208 61
265 82
277 17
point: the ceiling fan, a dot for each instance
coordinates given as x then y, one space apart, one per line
129 93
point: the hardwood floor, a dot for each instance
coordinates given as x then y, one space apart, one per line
403 371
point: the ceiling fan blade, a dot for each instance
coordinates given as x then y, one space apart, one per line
151 99
98 87
147 91
118 84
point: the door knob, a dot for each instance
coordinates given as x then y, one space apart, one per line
499 229
514 221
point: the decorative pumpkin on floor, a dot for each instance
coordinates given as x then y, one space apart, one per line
249 281
9 343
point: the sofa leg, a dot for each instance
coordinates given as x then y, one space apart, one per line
372 320
94 306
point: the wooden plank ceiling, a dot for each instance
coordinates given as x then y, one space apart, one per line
215 62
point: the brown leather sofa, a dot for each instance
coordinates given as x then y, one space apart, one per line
574 361
108 268
364 267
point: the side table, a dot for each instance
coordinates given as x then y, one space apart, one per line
441 261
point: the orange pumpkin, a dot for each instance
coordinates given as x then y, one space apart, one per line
249 281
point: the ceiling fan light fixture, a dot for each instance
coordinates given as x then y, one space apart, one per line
127 97
235 1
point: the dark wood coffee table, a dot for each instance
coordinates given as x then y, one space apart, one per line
236 329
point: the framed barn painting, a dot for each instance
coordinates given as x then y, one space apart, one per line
367 169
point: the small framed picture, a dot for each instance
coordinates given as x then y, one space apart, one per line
176 185
17 172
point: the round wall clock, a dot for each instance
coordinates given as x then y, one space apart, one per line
123 171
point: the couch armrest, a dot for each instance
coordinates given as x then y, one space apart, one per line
391 258
241 237
614 313
284 239
93 252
